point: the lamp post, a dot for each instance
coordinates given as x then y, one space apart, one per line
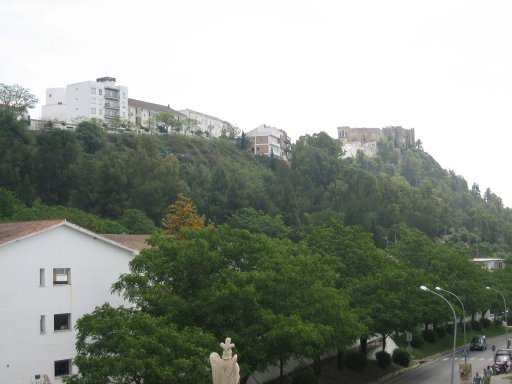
454 326
506 321
463 314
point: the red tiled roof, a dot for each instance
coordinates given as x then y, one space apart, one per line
17 230
136 242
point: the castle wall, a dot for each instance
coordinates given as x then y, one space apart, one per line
401 137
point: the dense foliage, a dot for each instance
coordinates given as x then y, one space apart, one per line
290 260
107 174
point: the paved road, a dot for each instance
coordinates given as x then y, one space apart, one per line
439 370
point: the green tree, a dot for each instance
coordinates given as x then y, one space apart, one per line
190 125
92 136
168 122
258 222
16 99
119 345
9 204
230 282
54 160
230 131
137 222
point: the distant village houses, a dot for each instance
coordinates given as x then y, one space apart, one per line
108 103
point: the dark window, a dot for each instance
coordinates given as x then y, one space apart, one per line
61 276
61 321
62 367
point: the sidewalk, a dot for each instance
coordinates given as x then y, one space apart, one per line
502 378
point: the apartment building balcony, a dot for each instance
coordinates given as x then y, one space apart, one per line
112 105
111 94
111 113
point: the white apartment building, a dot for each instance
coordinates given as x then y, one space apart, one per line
52 273
142 114
264 140
101 99
211 125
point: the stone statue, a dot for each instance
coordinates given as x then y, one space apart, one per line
225 370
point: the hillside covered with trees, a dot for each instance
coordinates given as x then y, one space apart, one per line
290 260
132 180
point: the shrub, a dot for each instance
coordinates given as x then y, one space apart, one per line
440 332
468 326
304 375
476 325
401 357
498 321
417 340
383 359
449 329
486 323
356 360
429 335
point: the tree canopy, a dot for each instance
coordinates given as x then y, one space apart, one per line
16 99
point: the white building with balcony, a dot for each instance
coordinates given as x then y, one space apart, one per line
212 126
264 140
101 99
142 114
52 273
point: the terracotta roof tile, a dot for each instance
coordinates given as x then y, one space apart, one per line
17 230
136 242
153 106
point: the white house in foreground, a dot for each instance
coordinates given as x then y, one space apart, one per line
52 273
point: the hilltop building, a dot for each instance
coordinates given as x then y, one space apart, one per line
212 126
264 140
141 113
101 99
365 139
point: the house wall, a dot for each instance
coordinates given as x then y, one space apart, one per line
95 265
268 140
210 124
401 137
83 101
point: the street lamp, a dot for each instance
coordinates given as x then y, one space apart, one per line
454 326
506 322
463 311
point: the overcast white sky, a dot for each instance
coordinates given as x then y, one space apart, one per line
443 67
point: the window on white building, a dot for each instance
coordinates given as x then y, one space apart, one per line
62 367
93 111
62 321
42 324
61 276
100 91
93 91
41 277
93 100
100 112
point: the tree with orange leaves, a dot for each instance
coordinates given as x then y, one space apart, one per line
182 214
